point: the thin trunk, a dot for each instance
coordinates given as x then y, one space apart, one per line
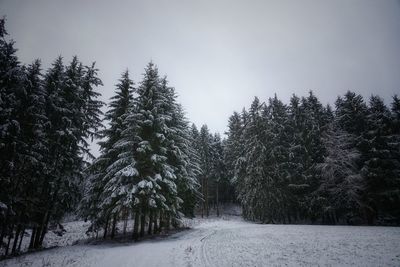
156 222
125 221
162 223
51 199
37 235
44 229
4 227
32 242
114 226
136 226
150 229
217 201
46 219
105 229
9 241
142 223
167 221
207 207
17 232
203 202
20 240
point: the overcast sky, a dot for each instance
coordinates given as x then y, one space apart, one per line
220 54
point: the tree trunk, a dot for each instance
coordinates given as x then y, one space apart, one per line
37 235
125 221
4 227
114 226
162 223
217 200
44 229
142 223
167 221
17 232
157 222
150 229
207 207
105 229
32 242
136 226
203 194
9 241
20 240
7 246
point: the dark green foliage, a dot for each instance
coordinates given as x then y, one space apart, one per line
147 168
381 166
44 126
307 163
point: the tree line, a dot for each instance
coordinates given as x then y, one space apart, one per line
305 162
147 169
46 122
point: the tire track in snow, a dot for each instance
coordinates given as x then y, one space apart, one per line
203 249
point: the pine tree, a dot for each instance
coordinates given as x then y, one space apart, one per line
11 157
279 167
381 163
233 148
313 128
194 137
394 148
298 185
351 112
65 130
95 206
91 107
342 185
183 157
254 184
143 169
395 108
218 170
33 147
205 152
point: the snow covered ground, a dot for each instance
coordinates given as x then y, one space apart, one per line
230 241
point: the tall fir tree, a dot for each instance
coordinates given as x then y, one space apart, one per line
342 185
14 141
380 169
94 205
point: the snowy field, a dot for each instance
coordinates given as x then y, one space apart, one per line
230 241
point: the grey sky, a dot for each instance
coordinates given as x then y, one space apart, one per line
220 54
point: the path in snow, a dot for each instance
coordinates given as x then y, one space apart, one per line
233 242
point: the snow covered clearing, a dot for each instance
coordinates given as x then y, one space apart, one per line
230 241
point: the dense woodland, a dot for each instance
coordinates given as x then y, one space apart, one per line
306 163
300 162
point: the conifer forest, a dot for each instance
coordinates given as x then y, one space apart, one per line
301 163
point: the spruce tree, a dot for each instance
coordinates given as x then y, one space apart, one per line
342 185
380 169
218 170
313 128
298 185
11 156
233 149
33 146
205 152
95 204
